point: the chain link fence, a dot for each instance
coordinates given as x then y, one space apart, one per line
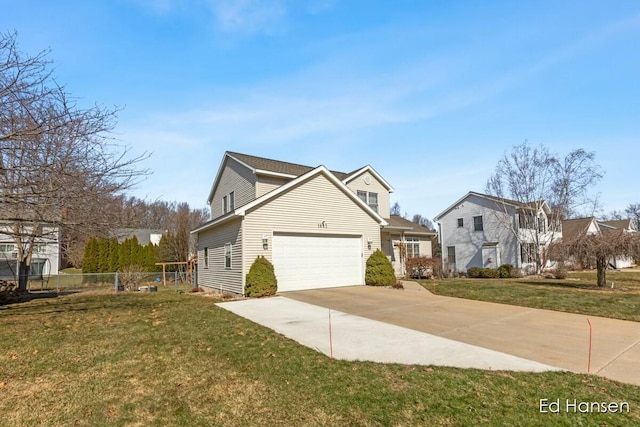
111 282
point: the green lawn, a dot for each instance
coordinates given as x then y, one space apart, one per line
167 358
577 294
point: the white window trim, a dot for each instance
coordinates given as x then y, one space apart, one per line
414 242
225 204
228 255
481 223
232 200
367 199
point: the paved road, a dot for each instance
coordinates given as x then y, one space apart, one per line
549 337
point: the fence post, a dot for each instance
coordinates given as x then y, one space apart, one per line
115 290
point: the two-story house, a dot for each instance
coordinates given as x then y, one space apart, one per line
481 230
316 226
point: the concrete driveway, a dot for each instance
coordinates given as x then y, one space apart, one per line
548 337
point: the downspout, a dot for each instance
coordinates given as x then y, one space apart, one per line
441 241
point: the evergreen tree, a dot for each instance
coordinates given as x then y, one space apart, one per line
114 255
103 255
90 259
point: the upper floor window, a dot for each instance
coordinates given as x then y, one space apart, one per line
229 202
460 222
371 199
477 223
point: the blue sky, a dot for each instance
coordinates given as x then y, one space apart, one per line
429 93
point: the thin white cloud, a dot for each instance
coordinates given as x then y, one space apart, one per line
248 16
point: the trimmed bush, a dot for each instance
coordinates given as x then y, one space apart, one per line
482 273
261 279
379 270
505 271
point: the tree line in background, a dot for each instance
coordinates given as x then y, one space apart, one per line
173 220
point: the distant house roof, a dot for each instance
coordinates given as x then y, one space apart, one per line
402 224
573 229
141 234
624 224
501 200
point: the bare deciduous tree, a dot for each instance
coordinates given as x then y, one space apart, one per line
601 247
633 213
423 221
543 189
59 169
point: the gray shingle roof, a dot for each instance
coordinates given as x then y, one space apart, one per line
398 221
278 166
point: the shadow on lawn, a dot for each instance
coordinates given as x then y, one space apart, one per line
564 284
7 298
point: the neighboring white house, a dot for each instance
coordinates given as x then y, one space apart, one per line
46 258
143 235
317 226
573 229
480 230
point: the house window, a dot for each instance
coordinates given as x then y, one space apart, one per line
371 199
229 202
541 224
413 247
460 222
39 248
451 258
206 257
227 255
7 247
477 223
528 253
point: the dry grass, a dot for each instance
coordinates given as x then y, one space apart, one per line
177 359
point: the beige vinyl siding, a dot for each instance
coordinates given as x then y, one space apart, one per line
264 184
216 276
303 210
425 247
375 186
237 178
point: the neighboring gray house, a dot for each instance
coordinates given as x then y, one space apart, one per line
46 258
317 226
481 230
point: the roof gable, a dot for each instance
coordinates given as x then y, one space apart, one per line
353 175
498 200
241 211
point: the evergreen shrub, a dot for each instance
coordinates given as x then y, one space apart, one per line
261 279
379 270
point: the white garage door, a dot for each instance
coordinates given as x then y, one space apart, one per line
312 261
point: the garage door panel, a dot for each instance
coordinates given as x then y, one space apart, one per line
316 261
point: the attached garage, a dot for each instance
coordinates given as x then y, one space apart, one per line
313 261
